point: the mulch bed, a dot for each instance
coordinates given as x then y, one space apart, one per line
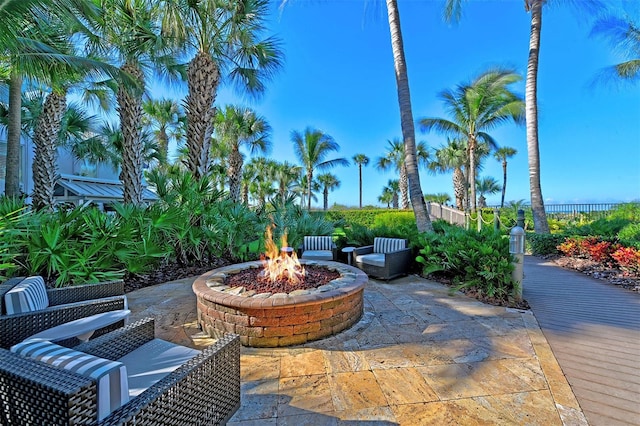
612 276
251 279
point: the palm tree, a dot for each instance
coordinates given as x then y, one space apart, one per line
486 185
476 108
224 39
329 182
286 176
395 158
167 119
360 160
453 156
440 198
624 36
502 155
312 148
393 187
235 127
386 197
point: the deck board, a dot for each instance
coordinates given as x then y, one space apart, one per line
593 329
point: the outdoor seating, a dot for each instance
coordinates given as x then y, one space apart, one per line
387 258
27 307
318 248
124 377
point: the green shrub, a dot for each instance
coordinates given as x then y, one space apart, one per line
606 228
403 219
630 235
543 244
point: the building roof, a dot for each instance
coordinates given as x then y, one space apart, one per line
84 189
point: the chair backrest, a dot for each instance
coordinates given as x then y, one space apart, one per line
387 245
28 296
318 243
110 376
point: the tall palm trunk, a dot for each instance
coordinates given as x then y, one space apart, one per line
234 173
360 174
12 172
394 200
45 140
404 187
326 198
203 77
540 224
163 146
472 171
406 119
309 180
504 181
130 110
458 187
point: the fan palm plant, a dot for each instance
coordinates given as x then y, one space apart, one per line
312 148
624 36
453 157
475 108
360 160
236 127
502 155
167 119
393 187
328 182
486 185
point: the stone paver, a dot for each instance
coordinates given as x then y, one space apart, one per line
419 355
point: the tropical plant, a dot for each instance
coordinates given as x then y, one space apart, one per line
236 127
475 108
395 158
486 185
224 40
502 155
393 187
328 182
440 198
312 148
386 197
623 33
167 120
360 160
453 156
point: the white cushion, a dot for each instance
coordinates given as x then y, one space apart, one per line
388 245
152 361
375 259
110 376
318 243
317 255
28 296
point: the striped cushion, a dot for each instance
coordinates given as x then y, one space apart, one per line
110 376
318 243
30 295
388 245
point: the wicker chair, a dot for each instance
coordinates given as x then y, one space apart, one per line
387 258
318 248
205 390
64 305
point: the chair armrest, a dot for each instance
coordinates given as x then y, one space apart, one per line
118 343
38 393
79 293
17 327
4 288
207 387
363 250
398 261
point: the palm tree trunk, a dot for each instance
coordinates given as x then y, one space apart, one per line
360 174
234 173
459 187
130 111
45 141
203 77
540 224
326 198
12 172
406 119
404 187
394 200
309 180
472 172
504 182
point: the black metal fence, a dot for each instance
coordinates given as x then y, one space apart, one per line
572 211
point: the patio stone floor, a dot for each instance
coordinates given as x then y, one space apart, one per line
418 356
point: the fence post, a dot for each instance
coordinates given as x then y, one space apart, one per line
479 213
496 219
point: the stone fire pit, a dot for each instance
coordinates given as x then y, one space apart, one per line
281 319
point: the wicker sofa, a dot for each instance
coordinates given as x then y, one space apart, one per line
64 305
205 390
318 248
387 258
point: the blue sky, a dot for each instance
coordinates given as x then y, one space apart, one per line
338 77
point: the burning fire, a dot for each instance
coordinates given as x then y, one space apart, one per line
279 264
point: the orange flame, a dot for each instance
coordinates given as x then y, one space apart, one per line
280 265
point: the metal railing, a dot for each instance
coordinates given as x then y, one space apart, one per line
449 214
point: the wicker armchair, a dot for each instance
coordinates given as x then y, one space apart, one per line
64 305
205 390
318 248
387 258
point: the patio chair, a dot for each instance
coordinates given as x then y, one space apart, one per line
27 307
318 248
387 258
125 377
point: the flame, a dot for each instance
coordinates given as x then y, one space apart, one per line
278 265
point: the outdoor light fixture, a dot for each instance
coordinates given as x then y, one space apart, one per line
516 248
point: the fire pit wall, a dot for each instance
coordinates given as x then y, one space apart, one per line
281 319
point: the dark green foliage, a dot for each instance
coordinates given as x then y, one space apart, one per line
630 235
401 219
606 228
364 217
543 244
478 260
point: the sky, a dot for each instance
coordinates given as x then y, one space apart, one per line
338 77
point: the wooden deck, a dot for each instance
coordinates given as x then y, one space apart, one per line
593 329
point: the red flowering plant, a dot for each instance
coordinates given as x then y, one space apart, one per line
628 259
